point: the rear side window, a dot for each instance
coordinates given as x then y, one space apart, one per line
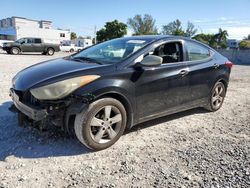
196 51
38 41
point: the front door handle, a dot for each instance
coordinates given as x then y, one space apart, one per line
183 73
216 65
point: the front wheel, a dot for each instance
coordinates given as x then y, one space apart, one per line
217 96
15 51
101 124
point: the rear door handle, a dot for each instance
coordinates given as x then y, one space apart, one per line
216 65
183 73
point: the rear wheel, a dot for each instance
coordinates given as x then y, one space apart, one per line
50 51
101 124
71 50
15 51
217 96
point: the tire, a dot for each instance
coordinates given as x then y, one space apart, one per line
71 50
50 51
15 51
94 127
216 97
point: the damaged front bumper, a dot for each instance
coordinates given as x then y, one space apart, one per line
59 113
32 112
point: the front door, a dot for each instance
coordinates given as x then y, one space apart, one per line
26 45
164 88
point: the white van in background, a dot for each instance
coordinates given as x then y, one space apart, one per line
70 48
75 45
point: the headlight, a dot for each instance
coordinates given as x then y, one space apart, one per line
61 89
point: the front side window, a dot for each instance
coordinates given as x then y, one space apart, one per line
170 52
196 52
113 51
30 41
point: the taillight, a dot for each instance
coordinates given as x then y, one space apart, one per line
229 64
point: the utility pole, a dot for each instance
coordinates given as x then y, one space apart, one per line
95 33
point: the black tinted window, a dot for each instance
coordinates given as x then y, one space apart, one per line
30 41
38 41
196 51
170 52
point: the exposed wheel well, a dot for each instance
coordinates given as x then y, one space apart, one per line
70 118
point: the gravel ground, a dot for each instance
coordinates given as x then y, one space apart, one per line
189 149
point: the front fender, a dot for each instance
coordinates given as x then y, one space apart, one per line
105 86
112 88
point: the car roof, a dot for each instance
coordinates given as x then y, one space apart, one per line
165 37
156 37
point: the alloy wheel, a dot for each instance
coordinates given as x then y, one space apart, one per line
218 96
105 124
15 51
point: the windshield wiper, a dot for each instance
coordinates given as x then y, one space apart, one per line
86 59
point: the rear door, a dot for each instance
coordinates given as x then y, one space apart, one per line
37 45
202 67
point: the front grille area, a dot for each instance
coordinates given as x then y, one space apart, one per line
29 99
26 98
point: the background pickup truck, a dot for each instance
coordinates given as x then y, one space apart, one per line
30 45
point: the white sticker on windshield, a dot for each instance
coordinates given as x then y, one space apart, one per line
136 41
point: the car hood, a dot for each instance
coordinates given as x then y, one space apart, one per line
51 71
9 43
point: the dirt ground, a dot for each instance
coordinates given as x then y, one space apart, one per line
188 149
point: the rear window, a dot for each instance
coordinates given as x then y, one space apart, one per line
196 51
38 41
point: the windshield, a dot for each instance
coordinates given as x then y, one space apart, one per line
22 40
113 51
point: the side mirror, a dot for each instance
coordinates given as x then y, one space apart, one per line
151 61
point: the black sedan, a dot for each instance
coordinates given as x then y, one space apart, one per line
99 92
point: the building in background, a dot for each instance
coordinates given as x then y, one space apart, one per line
233 43
17 27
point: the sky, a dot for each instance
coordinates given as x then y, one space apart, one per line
81 16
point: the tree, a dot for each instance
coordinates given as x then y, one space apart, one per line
142 25
221 36
191 30
247 38
207 39
244 44
73 35
111 30
175 28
